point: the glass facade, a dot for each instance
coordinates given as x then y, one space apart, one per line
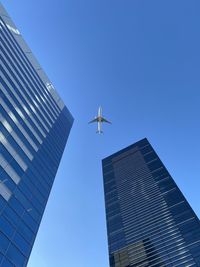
34 127
149 221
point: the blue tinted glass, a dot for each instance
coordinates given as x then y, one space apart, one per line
22 244
6 263
4 242
6 227
149 222
15 255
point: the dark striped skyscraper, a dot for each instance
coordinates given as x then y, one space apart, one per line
34 127
149 221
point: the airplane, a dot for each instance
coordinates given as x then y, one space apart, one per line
99 119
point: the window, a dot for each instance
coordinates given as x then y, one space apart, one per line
181 207
194 249
6 227
188 226
22 244
6 263
173 197
108 168
151 156
15 255
146 149
166 185
155 165
110 186
4 242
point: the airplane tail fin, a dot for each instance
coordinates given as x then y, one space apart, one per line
99 132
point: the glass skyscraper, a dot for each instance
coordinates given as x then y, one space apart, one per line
149 221
34 127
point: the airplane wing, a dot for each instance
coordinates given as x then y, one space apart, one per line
104 120
95 120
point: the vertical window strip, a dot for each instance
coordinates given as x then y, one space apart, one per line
15 137
21 53
24 108
23 117
9 170
19 126
33 110
31 80
13 152
30 86
18 110
4 191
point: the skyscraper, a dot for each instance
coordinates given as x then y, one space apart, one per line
34 127
149 221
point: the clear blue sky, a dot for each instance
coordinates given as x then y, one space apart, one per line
140 60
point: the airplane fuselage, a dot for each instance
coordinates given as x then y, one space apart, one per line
99 119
